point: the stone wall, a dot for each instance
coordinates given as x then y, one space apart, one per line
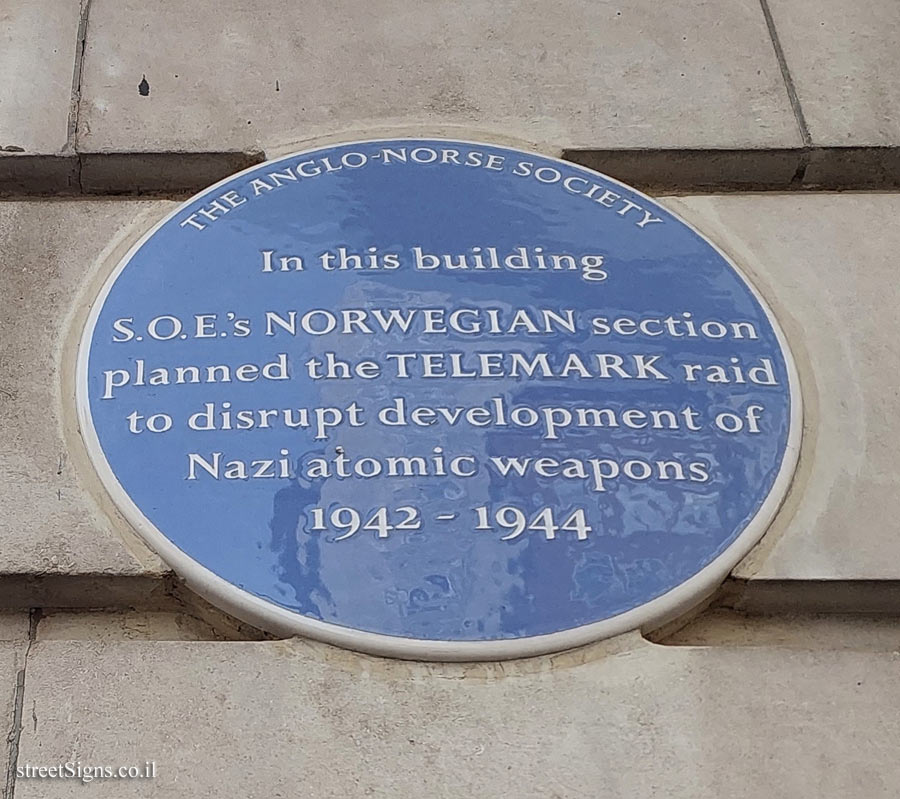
737 114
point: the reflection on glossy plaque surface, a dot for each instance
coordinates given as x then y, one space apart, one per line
438 398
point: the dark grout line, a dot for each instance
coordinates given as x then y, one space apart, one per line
735 170
663 169
752 609
178 175
723 627
786 75
82 591
800 175
75 102
778 597
15 734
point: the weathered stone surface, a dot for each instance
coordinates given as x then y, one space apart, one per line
37 57
12 659
49 525
691 73
827 264
845 64
13 626
294 719
126 625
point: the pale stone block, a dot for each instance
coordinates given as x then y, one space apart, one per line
49 525
845 64
14 626
295 719
691 73
37 58
12 661
827 264
125 625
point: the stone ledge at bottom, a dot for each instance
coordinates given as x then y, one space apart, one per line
298 719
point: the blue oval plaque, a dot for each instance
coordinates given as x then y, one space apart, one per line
438 399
